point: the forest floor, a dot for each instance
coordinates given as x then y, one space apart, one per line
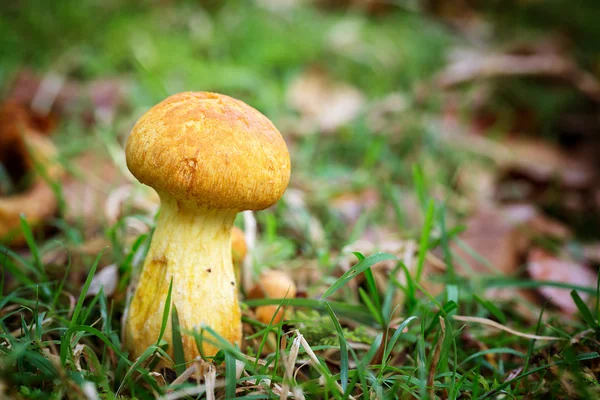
441 226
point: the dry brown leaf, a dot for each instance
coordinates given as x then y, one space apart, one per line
350 206
494 238
106 279
323 104
96 101
130 197
25 153
476 183
544 266
306 274
474 65
501 236
78 256
298 216
525 162
591 252
543 162
87 193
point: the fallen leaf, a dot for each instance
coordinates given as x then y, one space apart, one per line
477 183
476 65
591 252
127 198
492 243
87 191
302 222
544 162
106 279
29 161
323 104
496 238
350 206
78 255
54 94
544 266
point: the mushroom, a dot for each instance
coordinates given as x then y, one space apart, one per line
238 250
208 156
272 284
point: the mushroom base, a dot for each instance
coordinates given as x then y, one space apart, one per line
192 247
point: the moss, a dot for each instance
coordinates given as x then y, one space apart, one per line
319 330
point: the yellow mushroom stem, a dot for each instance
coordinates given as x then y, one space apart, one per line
191 247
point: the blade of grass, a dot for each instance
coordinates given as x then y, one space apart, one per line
424 242
446 246
498 350
360 267
343 348
149 352
420 185
31 243
491 308
372 288
581 357
84 290
166 311
230 378
177 342
371 307
584 310
65 343
392 342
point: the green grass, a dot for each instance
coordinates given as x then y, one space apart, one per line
344 340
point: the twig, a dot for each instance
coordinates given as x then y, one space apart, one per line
315 361
289 361
494 324
437 352
210 379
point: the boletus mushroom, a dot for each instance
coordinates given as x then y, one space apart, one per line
208 156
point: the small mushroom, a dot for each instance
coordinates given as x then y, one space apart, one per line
238 250
272 284
208 156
